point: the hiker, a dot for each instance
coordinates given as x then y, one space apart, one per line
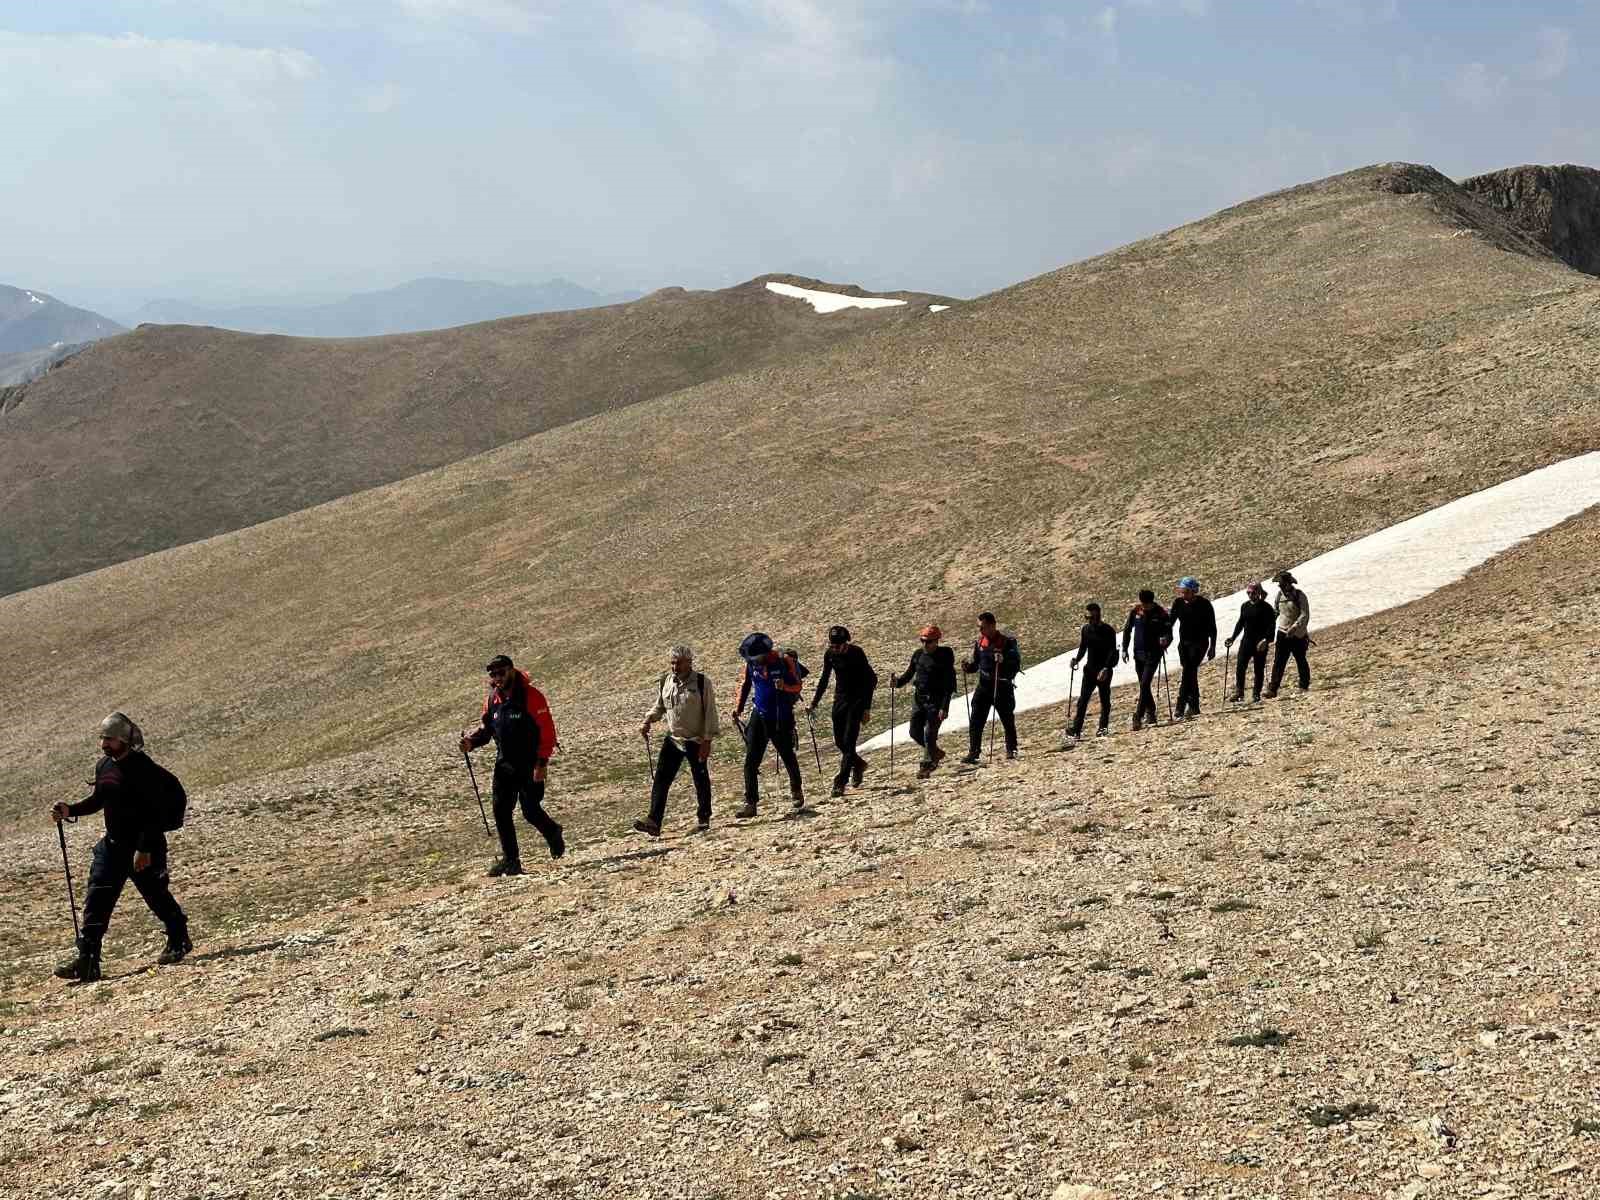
126 787
1197 641
933 668
1097 650
517 717
1150 628
996 658
852 701
684 697
1256 622
1294 625
772 684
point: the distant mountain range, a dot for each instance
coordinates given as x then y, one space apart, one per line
37 331
409 308
32 320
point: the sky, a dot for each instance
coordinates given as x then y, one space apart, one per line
233 150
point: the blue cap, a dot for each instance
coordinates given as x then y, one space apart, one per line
1189 581
757 645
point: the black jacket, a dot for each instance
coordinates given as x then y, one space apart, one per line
1003 654
122 789
935 676
1097 648
1148 627
857 679
1196 620
1258 620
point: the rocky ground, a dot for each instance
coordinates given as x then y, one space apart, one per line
1335 945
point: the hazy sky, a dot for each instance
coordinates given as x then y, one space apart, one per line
235 148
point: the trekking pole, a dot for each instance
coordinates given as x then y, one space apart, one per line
473 775
966 699
649 757
812 722
1166 687
72 901
1227 653
891 733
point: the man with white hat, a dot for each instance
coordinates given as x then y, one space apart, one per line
1294 633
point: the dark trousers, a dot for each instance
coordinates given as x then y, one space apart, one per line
925 721
1146 668
1191 655
113 867
1248 655
1004 702
1287 646
758 733
1091 684
511 785
847 718
672 757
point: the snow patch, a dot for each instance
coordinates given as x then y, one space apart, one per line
937 307
1384 570
34 298
827 302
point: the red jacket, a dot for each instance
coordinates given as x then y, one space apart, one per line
517 717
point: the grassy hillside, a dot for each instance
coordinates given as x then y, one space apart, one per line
1256 387
171 434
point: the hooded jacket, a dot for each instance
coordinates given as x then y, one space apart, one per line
517 716
772 687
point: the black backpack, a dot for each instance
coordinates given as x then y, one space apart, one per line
165 793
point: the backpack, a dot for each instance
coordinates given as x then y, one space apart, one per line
165 793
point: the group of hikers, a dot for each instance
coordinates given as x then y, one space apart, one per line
142 802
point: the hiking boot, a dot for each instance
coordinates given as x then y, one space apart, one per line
1103 731
85 968
971 760
558 844
1270 694
858 772
702 827
646 825
748 811
1238 695
799 799
1069 741
938 756
838 791
1255 697
1138 724
924 770
504 866
1011 754
177 946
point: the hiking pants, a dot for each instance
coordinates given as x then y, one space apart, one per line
847 718
672 757
925 727
1287 646
1004 702
1248 655
1146 668
758 733
1091 684
513 784
1191 655
112 867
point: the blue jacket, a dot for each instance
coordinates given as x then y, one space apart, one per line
776 686
1147 627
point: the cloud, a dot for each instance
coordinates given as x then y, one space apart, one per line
1478 87
1192 8
91 65
499 16
1552 53
1355 14
382 99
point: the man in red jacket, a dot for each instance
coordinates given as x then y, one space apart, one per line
517 717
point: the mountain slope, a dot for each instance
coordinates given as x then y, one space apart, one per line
269 425
410 307
1254 388
31 320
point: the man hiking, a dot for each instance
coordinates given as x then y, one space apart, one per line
852 701
996 658
933 670
684 697
1150 628
1097 651
517 717
1197 641
1256 622
772 684
126 786
1294 625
